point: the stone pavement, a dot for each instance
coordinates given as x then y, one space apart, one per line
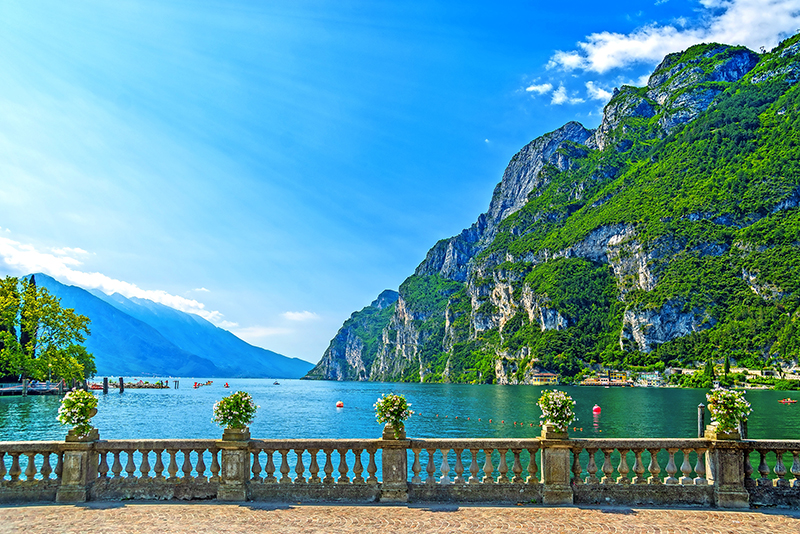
200 518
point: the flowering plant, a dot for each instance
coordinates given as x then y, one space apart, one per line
557 409
235 411
727 408
77 409
393 409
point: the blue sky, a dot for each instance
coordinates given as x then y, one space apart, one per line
274 165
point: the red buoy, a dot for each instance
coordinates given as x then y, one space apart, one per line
340 404
596 409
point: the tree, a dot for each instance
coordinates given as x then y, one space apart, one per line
48 345
727 365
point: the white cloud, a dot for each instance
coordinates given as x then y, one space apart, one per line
597 93
202 290
300 316
560 97
753 23
26 259
540 89
68 251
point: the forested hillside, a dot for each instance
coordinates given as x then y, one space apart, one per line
670 235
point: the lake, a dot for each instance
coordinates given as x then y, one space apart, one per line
307 409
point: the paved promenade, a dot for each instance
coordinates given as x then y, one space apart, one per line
201 518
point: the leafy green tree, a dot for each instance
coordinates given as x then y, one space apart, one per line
38 338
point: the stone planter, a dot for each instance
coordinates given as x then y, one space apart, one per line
713 433
388 432
236 434
551 432
73 437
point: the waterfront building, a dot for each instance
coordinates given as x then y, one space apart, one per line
544 379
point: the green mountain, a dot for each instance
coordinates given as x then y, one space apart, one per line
669 235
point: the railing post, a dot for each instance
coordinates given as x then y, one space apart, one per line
701 420
235 466
79 468
725 468
394 463
556 467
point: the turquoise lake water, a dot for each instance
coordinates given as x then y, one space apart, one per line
307 409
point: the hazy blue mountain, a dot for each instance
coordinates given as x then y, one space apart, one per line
141 337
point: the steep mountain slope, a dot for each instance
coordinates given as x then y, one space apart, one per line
140 337
670 234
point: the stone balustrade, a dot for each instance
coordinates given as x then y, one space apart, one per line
708 472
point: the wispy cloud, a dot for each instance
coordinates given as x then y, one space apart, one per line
560 97
540 89
595 92
252 333
300 316
25 258
202 290
723 21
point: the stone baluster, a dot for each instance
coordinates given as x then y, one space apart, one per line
46 469
591 468
200 468
763 469
623 468
343 469
474 468
299 468
328 467
748 469
357 467
654 468
503 467
686 469
159 467
576 466
516 467
172 468
270 468
30 469
780 470
313 468
795 469
638 467
700 468
79 471
116 465
285 478
3 470
130 465
431 468
372 467
608 469
144 467
532 467
215 467
445 469
488 468
460 468
256 468
416 467
671 469
59 465
186 468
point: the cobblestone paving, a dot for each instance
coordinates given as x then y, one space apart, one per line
201 518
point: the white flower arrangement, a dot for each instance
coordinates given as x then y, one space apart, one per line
393 409
558 409
237 410
77 409
727 408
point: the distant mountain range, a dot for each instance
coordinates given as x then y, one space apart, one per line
139 337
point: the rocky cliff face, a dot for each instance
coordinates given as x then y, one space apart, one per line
602 246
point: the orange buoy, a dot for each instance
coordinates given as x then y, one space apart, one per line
596 409
340 404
